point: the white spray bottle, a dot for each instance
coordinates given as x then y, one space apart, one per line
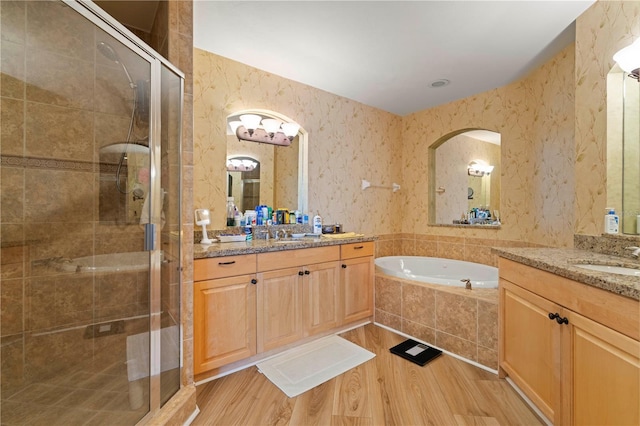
317 224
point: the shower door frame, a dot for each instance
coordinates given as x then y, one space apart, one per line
112 27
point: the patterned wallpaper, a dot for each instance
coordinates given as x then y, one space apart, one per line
553 127
535 119
602 30
348 142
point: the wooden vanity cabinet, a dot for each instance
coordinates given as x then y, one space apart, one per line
298 294
573 349
224 311
357 271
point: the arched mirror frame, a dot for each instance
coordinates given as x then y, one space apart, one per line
432 173
303 151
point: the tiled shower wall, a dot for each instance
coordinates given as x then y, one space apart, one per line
60 103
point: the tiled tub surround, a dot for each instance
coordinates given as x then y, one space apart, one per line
470 249
460 321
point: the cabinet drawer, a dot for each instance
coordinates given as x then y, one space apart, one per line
295 258
349 251
220 267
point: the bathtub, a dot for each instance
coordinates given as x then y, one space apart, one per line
435 270
113 262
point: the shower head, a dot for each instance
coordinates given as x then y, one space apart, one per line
110 53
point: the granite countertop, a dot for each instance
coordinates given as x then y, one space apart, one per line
218 249
562 262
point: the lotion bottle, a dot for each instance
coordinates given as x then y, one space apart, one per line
317 224
611 222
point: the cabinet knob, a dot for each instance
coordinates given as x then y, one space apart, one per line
344 266
254 281
307 272
300 273
553 316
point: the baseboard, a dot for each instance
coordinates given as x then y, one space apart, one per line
461 358
192 417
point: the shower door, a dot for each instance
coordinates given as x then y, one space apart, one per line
89 219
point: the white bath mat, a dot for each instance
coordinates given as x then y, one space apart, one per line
300 369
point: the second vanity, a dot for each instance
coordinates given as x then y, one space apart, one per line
253 299
569 337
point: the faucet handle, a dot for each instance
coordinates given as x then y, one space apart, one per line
636 250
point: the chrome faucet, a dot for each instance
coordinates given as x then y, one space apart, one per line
276 235
636 251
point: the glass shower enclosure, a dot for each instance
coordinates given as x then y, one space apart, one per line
89 218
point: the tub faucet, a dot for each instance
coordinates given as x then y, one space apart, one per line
636 251
467 283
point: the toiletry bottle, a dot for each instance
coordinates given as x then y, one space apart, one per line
231 211
611 222
317 224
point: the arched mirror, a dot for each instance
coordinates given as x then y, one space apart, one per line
464 169
279 178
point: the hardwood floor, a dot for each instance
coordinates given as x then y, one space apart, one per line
386 390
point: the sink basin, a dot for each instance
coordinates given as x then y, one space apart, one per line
620 270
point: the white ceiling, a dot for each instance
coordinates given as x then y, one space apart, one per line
387 53
382 53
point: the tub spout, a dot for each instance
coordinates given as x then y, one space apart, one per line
467 283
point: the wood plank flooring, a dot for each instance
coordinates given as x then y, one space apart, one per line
386 390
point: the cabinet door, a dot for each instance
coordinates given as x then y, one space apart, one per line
320 295
530 346
279 307
605 366
356 296
224 326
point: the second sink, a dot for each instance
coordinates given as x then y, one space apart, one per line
620 270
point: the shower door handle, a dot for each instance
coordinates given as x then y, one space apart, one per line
149 237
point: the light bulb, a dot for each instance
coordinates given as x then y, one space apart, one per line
271 126
290 130
250 122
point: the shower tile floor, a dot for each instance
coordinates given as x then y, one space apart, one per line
92 392
81 398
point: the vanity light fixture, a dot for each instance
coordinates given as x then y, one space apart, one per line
255 128
479 168
240 165
628 59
